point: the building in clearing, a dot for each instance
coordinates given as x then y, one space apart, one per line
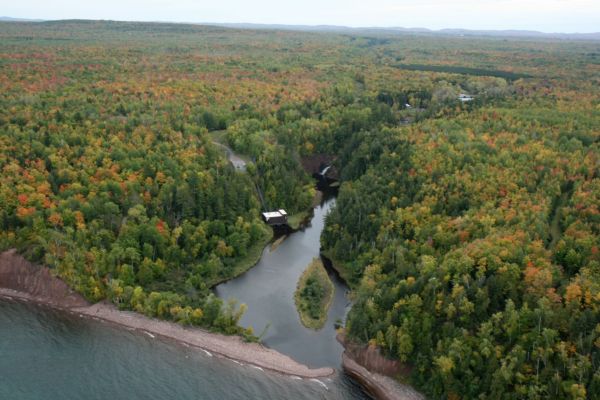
278 217
465 97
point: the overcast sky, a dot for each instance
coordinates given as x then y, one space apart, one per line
541 15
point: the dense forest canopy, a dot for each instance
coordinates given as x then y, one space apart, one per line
469 231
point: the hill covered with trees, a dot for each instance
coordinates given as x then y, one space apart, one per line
468 231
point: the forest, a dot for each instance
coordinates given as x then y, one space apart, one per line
469 231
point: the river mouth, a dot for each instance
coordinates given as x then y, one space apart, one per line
53 355
268 290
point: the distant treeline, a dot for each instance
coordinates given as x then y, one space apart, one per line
455 69
468 232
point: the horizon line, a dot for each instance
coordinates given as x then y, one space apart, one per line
415 29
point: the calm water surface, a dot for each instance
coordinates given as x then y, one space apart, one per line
51 355
268 290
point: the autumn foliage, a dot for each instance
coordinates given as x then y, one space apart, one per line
469 232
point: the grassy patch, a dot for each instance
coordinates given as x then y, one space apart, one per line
295 221
313 295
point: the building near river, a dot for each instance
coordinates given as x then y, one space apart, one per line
278 217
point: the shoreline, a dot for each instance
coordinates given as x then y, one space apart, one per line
232 348
24 281
375 373
335 265
379 386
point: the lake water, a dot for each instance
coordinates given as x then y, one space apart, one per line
51 355
268 290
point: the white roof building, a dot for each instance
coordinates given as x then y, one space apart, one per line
275 217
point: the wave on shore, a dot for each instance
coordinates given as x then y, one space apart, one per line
22 280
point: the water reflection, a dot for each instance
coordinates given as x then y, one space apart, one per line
268 290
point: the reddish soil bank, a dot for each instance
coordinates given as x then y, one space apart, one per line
20 275
379 386
375 372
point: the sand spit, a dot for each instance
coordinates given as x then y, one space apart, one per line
24 281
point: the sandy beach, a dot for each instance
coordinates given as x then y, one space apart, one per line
231 347
24 281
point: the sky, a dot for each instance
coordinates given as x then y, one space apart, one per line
541 15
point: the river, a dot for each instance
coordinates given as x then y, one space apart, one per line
268 290
53 355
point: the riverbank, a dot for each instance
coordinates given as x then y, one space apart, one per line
339 268
251 258
302 219
365 364
23 281
268 291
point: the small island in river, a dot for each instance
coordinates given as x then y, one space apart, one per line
313 295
